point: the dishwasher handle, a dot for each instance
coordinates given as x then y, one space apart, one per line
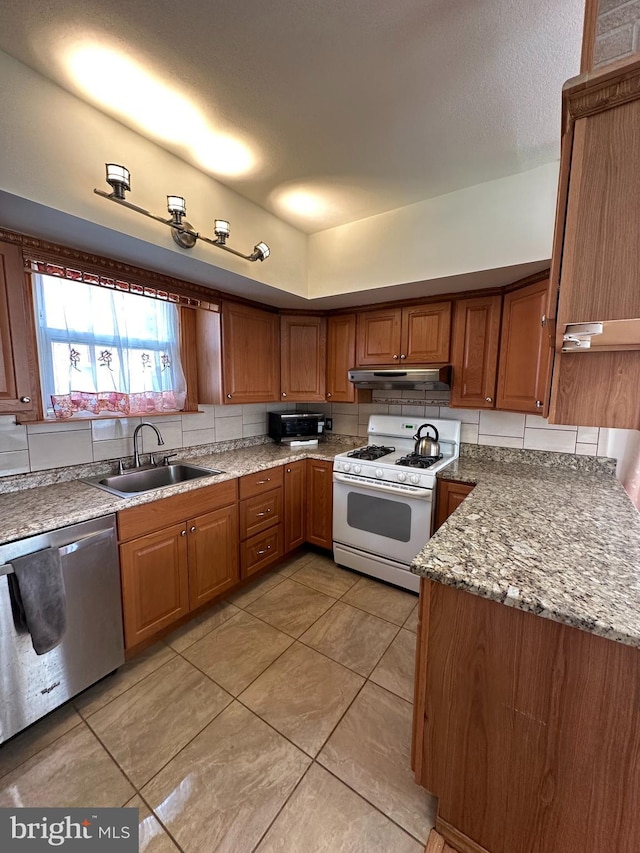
71 548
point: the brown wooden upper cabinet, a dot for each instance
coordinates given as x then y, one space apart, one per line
596 247
525 360
303 358
418 334
250 354
474 351
341 357
18 362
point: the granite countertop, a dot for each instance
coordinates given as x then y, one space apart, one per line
30 511
563 544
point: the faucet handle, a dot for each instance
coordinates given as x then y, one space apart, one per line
120 466
166 459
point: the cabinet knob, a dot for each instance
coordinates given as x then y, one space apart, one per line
395 357
539 404
228 396
288 470
402 357
543 320
489 399
25 399
193 529
183 533
284 393
329 394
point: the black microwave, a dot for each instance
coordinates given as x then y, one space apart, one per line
289 427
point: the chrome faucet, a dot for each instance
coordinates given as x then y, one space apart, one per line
136 432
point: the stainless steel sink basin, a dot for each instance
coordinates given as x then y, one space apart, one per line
139 480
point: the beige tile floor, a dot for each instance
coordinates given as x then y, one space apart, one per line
279 720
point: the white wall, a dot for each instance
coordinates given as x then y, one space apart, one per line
54 147
501 223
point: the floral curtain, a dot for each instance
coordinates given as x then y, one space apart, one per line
105 351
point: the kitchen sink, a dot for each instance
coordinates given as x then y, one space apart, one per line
136 481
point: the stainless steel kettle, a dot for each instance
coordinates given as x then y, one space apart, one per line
425 445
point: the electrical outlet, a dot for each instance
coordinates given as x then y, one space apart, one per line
328 424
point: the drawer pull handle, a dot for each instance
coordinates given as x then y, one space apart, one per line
262 482
264 550
260 514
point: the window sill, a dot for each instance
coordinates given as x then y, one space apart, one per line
110 416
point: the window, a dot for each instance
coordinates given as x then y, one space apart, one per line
106 352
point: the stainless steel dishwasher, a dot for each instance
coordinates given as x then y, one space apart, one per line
31 685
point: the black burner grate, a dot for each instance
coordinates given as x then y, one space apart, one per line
371 452
415 460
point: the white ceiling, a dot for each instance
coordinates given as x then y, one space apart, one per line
364 105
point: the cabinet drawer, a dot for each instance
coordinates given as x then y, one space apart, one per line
159 514
260 512
260 551
261 481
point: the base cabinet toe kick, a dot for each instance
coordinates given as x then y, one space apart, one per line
527 730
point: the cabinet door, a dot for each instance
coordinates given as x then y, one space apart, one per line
320 503
18 364
379 337
426 330
525 355
295 504
341 357
303 358
155 582
449 497
469 716
474 352
251 354
599 276
213 554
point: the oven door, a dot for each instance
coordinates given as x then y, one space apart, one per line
381 520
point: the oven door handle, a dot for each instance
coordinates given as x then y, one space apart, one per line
407 491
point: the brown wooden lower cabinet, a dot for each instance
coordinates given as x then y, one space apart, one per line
172 564
449 496
155 582
213 555
320 503
527 731
169 571
295 504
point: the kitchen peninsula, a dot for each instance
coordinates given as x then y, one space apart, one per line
527 709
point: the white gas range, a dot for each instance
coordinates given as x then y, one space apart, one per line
384 497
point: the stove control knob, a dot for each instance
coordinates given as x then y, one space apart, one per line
357 469
402 477
346 466
379 473
415 479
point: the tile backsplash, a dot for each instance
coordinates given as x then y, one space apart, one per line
36 447
498 429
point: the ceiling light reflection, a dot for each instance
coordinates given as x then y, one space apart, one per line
142 100
316 205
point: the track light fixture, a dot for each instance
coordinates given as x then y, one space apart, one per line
119 179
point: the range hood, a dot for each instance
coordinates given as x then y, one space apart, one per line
437 377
